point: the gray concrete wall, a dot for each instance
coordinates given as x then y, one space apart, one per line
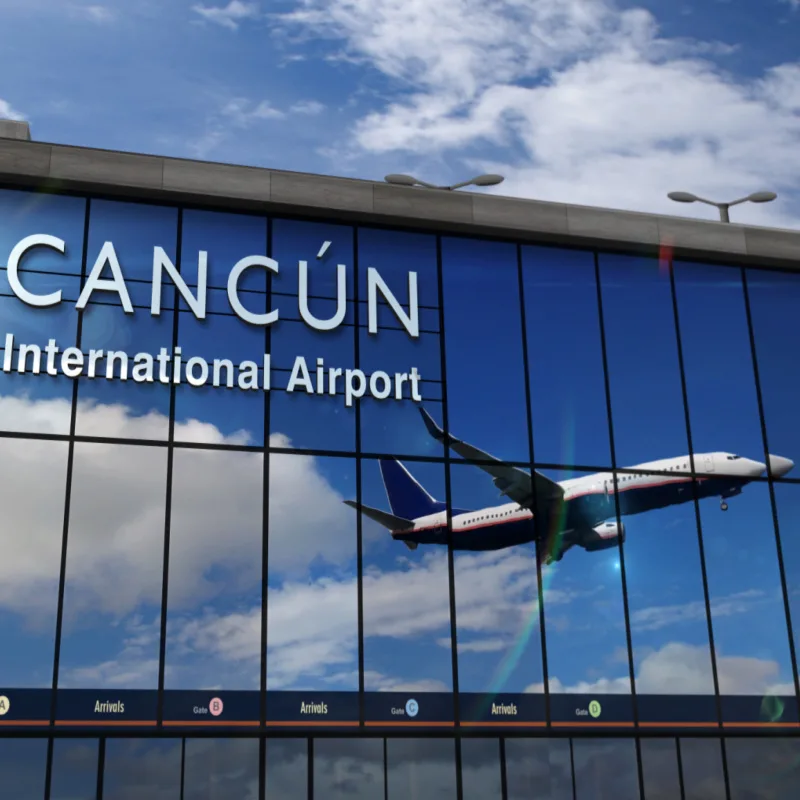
51 166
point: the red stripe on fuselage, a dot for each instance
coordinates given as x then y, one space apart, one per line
495 523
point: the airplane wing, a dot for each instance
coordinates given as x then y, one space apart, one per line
513 482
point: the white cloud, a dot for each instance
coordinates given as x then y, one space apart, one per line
118 514
94 13
242 112
654 618
310 107
7 112
574 100
229 16
679 668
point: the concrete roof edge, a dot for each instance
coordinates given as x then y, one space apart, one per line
214 184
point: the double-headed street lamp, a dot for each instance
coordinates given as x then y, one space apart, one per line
480 180
756 197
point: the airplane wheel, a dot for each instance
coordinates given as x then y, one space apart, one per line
723 506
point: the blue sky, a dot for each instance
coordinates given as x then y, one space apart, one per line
115 547
588 101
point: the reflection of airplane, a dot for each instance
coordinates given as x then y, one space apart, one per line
578 509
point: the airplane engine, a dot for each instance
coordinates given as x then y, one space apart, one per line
604 537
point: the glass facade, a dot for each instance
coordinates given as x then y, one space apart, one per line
299 509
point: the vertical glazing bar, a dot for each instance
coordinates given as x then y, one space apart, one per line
449 506
162 652
540 535
698 521
359 520
265 474
625 608
771 483
68 489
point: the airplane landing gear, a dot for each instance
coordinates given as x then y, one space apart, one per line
723 505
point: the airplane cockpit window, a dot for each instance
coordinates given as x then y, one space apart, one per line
733 458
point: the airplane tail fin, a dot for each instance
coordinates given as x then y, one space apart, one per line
397 525
406 496
389 521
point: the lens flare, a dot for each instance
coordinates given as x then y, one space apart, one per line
549 547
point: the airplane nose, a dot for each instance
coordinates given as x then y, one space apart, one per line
779 466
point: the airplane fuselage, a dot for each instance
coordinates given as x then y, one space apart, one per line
588 501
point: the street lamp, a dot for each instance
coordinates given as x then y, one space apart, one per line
480 180
756 197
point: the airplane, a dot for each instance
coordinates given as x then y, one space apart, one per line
576 512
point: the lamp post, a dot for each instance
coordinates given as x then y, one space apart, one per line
756 197
408 180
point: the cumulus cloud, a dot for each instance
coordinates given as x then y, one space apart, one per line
573 100
310 107
240 113
94 13
118 506
680 668
8 112
229 16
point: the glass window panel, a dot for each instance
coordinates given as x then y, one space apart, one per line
291 338
115 551
294 241
135 229
311 422
538 767
310 417
286 769
37 403
23 765
312 617
27 213
32 493
225 238
214 611
34 325
717 358
480 769
137 768
394 254
568 406
744 586
396 352
497 608
666 600
774 299
348 768
221 769
643 369
767 768
74 769
605 769
225 413
221 336
421 769
660 769
218 415
407 645
583 591
701 765
114 407
392 425
487 405
787 502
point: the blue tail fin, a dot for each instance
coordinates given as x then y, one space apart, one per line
406 497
